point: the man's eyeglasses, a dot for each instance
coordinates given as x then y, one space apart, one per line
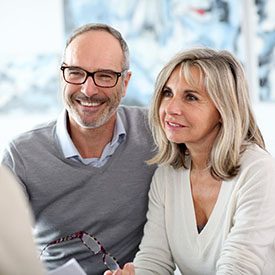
101 78
92 244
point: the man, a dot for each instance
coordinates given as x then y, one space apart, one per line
87 171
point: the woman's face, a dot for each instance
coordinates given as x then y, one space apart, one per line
187 114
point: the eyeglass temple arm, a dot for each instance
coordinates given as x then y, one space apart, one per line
75 235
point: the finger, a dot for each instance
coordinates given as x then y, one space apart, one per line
108 272
129 269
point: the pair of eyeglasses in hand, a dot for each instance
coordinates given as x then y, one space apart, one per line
92 244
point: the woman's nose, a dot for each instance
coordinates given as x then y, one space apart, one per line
174 106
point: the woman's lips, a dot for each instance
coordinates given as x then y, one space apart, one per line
174 124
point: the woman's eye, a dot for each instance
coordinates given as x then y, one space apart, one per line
166 93
191 97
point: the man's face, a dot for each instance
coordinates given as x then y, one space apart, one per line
88 105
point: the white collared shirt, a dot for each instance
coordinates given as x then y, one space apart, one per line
70 151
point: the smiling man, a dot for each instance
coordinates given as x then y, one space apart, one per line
86 171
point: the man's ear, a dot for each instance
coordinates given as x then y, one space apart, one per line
126 80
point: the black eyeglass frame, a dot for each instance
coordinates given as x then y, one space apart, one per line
91 74
80 234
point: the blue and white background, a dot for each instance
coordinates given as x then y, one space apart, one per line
33 34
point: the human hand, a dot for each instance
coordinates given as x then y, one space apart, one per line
128 269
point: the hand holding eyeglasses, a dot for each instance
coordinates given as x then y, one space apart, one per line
128 269
92 244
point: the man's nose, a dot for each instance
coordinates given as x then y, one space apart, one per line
89 88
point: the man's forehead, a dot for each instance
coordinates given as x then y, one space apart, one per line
95 38
99 48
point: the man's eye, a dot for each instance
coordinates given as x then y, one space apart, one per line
105 76
75 73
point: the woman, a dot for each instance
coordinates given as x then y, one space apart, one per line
212 199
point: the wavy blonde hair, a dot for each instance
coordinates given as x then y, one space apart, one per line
225 82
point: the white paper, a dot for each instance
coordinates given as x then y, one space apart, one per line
71 267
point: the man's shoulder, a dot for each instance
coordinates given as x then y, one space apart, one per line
133 114
30 146
135 121
133 110
35 133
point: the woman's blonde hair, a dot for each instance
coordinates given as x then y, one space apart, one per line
225 82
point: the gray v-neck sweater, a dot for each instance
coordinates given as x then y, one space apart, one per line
109 202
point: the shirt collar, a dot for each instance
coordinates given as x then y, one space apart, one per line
67 146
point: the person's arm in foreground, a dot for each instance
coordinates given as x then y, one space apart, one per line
18 254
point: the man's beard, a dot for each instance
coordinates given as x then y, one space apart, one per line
101 117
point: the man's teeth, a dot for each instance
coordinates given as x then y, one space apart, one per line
90 104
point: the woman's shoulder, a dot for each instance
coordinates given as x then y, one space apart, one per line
167 176
168 181
254 154
256 163
168 170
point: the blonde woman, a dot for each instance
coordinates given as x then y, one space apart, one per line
212 199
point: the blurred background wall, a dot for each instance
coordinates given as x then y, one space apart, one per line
33 34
